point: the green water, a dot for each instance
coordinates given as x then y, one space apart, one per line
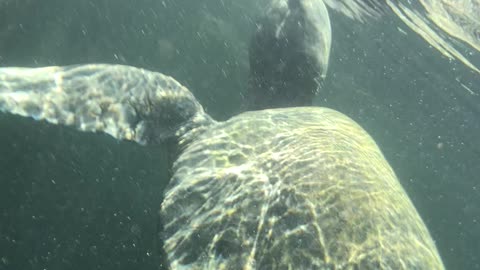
85 201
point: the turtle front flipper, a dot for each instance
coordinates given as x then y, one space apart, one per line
126 102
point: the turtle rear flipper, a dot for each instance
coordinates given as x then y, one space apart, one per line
126 102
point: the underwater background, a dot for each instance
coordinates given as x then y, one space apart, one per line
71 200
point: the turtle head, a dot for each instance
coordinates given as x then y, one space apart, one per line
289 54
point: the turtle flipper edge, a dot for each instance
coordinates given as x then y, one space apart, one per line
125 102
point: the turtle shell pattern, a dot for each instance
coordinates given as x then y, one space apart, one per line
296 188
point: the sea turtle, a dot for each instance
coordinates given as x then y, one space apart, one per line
283 188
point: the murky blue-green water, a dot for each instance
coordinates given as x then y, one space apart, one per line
85 201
